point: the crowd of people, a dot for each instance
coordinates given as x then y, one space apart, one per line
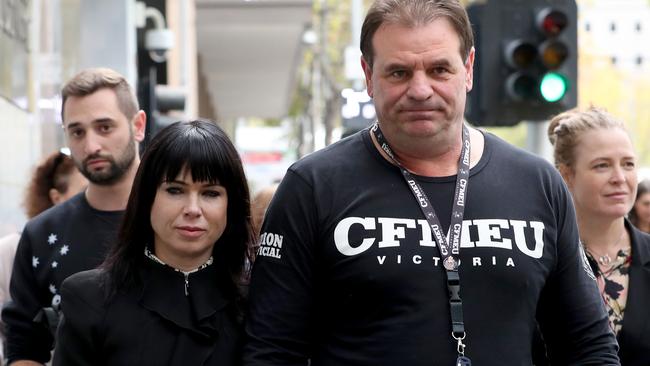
420 240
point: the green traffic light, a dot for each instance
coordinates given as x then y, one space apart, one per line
553 87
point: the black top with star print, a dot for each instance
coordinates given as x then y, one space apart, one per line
66 239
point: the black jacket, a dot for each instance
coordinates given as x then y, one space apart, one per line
151 324
634 337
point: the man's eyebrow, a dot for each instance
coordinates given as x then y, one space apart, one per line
439 62
102 120
395 65
96 121
72 125
432 63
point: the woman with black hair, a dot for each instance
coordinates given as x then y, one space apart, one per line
168 292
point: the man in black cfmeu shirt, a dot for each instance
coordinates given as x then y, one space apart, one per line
366 240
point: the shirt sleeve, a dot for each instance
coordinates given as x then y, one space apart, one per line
279 324
79 326
25 338
571 313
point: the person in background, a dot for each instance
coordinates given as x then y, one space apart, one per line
259 205
639 215
422 240
594 154
169 291
55 180
102 124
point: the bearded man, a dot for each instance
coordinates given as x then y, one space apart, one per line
102 124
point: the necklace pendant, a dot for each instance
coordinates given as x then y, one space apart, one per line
605 260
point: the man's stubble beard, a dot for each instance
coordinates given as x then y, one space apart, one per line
117 167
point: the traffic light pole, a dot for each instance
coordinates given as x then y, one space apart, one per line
537 139
147 99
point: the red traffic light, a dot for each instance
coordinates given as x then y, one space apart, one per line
551 21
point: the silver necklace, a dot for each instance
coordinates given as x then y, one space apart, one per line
605 259
186 274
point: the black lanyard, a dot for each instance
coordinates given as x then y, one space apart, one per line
449 251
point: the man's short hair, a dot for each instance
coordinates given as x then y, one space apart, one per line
412 13
89 81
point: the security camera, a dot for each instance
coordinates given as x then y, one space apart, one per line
158 42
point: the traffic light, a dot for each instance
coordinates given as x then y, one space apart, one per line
157 100
526 61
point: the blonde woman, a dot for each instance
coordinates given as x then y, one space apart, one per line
595 156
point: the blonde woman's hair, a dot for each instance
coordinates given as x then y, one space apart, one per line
566 128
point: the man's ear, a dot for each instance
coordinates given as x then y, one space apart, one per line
367 71
139 125
469 70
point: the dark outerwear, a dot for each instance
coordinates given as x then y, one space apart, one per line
634 337
65 239
348 273
150 324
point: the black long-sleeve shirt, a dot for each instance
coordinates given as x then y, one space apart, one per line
348 272
65 239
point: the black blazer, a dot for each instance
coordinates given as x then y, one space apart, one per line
155 323
634 337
